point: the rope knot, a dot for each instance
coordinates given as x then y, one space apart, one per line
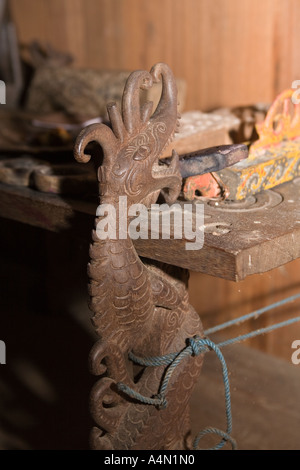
162 405
197 347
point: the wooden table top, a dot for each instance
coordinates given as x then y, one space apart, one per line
240 239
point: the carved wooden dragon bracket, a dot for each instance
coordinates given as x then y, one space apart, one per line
138 306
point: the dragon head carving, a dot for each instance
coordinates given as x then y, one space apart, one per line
135 140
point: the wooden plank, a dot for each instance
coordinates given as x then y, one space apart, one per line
202 130
242 240
46 211
239 240
213 45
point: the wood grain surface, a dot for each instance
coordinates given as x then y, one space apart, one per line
230 52
237 242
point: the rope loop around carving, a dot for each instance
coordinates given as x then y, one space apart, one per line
196 346
158 400
225 438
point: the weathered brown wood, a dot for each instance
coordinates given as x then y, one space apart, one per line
19 135
238 242
230 52
18 171
64 179
46 211
201 130
138 308
84 93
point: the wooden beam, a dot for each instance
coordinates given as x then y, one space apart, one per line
240 239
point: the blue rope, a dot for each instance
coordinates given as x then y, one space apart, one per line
218 432
198 346
254 314
195 347
261 331
153 360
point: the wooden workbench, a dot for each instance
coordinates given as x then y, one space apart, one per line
240 239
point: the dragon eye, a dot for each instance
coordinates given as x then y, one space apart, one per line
141 153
